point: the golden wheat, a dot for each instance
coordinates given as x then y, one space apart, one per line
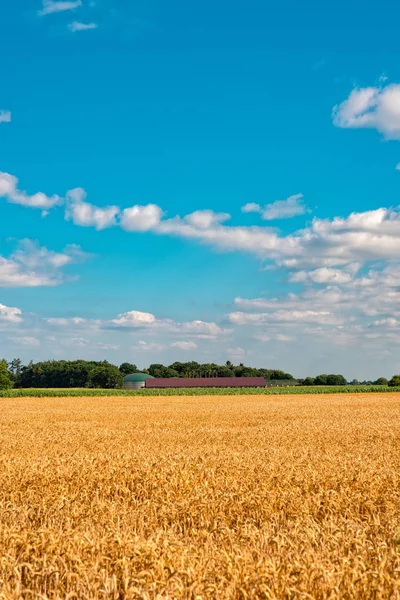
200 497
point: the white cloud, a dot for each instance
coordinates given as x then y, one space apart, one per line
295 316
66 321
10 314
326 246
31 265
135 318
202 329
257 240
103 346
373 108
389 322
323 275
236 354
141 218
262 337
90 344
76 26
184 345
9 190
334 313
12 274
279 337
5 116
87 215
204 219
149 346
25 341
282 337
53 6
252 207
281 209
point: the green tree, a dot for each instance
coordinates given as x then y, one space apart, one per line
321 380
159 370
309 381
276 374
58 374
335 380
15 368
225 372
395 381
128 368
105 376
381 381
242 371
5 378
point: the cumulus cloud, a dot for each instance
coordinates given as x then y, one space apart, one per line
324 275
321 252
141 218
295 316
77 26
55 6
204 219
389 322
10 314
252 207
337 313
66 321
360 237
184 345
281 209
257 240
282 337
25 341
202 329
237 353
32 265
5 116
262 337
9 190
12 274
87 215
89 344
373 108
135 319
149 346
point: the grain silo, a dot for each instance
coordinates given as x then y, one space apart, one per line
136 381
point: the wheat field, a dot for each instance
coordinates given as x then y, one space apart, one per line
200 497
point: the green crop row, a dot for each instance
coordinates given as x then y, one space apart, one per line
53 393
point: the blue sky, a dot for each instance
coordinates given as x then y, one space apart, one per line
217 182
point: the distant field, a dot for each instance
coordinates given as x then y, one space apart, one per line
212 497
326 389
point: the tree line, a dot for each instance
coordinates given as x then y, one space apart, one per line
102 374
94 374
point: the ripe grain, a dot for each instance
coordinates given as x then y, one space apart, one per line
219 497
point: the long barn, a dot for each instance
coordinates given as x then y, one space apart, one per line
203 382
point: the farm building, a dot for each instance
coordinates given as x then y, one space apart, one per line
203 382
135 381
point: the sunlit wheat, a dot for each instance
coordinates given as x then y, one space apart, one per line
213 497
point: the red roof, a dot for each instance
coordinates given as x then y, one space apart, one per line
203 382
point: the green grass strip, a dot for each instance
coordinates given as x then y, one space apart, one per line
73 392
